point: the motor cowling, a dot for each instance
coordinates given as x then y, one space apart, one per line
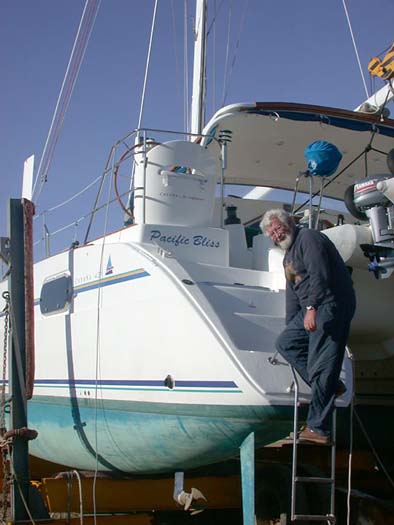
366 195
369 199
365 202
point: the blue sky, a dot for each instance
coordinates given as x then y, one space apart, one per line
289 50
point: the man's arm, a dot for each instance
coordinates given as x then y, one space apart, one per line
317 265
292 304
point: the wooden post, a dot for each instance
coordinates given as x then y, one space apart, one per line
20 454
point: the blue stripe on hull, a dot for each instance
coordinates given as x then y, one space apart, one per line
136 437
224 387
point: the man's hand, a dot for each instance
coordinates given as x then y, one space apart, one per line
310 320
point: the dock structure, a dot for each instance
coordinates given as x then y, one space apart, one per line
66 494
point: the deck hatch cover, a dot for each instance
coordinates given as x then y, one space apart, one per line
56 294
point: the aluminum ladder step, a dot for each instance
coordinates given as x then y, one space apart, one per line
318 517
311 479
328 481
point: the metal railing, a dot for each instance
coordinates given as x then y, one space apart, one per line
122 153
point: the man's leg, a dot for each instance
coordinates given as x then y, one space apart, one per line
326 351
292 344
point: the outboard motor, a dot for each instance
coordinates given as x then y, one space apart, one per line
366 202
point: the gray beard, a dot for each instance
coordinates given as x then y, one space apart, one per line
286 243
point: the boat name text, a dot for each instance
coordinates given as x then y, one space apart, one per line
87 278
178 240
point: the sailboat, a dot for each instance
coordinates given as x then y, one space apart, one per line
155 344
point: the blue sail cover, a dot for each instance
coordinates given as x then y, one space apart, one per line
323 158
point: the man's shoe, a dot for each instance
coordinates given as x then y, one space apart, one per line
290 437
311 437
341 389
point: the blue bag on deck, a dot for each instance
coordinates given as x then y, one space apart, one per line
323 158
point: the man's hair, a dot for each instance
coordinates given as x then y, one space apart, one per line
280 214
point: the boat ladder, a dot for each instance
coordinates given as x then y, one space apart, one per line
296 480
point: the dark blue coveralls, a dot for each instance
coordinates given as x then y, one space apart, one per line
317 276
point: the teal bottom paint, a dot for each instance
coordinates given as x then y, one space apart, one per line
148 437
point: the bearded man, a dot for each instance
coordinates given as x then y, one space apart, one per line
320 304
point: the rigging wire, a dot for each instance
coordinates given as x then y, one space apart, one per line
212 27
215 14
145 84
147 64
185 71
214 58
241 26
70 199
227 50
83 217
85 28
177 65
355 47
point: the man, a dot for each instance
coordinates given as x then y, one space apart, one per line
320 304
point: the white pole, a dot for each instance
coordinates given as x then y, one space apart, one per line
198 93
27 182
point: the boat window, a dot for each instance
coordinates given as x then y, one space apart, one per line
56 294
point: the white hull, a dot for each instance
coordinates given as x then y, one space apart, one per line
152 343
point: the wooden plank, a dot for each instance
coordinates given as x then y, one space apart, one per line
138 494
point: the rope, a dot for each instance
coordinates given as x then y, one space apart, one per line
76 474
351 435
97 364
147 64
355 47
349 479
374 450
25 504
86 24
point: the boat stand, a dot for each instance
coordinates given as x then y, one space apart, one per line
247 479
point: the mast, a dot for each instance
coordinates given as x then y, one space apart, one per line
198 93
378 99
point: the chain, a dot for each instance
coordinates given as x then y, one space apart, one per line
6 310
4 444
